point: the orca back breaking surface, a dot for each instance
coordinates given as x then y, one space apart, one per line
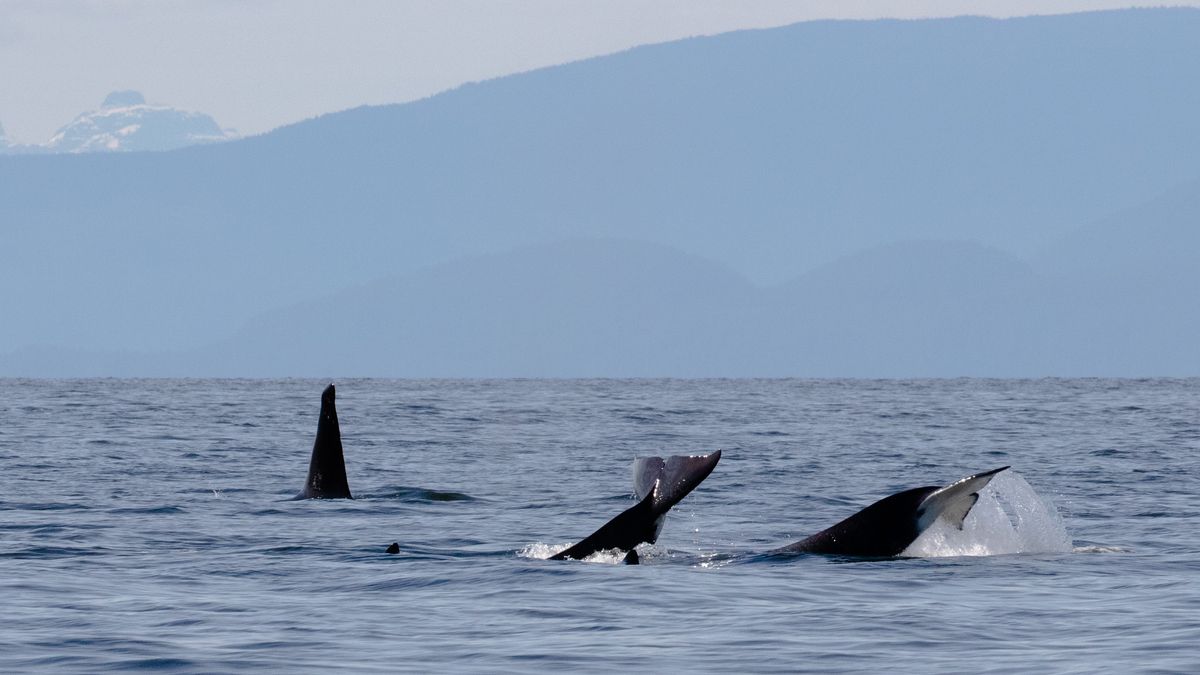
888 526
327 468
658 484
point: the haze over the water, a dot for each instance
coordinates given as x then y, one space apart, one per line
923 198
258 65
939 197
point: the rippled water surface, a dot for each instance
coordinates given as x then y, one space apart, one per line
148 524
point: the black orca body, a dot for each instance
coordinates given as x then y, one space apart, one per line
327 468
888 526
658 484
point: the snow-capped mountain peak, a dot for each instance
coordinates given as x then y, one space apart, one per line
124 123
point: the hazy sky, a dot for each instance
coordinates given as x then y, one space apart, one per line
258 64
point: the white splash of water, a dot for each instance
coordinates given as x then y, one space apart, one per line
542 551
1010 517
611 556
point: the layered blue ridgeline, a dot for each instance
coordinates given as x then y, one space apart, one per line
944 197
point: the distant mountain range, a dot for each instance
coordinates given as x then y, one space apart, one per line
886 198
126 123
615 308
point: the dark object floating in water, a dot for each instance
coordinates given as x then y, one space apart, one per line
888 526
658 484
394 548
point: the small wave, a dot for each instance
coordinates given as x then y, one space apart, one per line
43 529
408 583
1100 549
904 415
416 494
156 663
43 552
421 409
1110 452
285 549
168 437
148 510
52 506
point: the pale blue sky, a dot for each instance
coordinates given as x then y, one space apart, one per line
259 64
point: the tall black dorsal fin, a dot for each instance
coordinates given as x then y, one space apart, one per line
327 468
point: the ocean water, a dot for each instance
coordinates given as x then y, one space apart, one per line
148 524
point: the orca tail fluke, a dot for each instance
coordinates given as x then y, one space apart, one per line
953 502
327 468
658 484
633 526
675 476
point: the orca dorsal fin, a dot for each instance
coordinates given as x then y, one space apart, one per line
327 468
953 502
